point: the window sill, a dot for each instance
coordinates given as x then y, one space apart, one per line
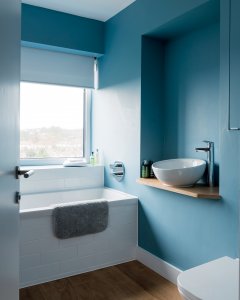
55 167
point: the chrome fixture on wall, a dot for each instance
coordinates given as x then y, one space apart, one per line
118 170
210 160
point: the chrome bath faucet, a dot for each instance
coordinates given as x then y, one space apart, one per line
210 160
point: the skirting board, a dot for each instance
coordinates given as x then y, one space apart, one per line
158 265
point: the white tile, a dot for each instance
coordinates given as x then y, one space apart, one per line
31 230
45 180
59 255
49 244
30 261
39 246
84 177
116 223
110 257
122 214
84 240
126 238
79 264
71 183
34 223
38 273
87 249
45 174
39 186
82 182
126 234
28 248
76 172
102 234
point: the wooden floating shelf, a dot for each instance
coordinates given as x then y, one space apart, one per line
197 191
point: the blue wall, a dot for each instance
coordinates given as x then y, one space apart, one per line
230 140
172 226
152 98
191 99
180 90
181 230
60 31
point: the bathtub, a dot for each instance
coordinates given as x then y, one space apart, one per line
43 257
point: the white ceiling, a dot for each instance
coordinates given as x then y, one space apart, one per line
101 10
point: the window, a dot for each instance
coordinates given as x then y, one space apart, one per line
54 123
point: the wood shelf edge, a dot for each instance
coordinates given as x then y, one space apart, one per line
197 191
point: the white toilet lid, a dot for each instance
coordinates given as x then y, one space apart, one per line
216 280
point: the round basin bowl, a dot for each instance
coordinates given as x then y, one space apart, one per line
179 172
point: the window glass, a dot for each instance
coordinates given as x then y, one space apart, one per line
51 121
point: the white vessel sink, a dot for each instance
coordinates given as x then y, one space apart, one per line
179 172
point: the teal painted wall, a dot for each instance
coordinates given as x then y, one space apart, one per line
152 98
171 226
180 90
230 140
181 230
60 31
191 99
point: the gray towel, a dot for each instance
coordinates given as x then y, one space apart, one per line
80 219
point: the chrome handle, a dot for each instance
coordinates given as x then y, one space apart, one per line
118 170
28 174
202 149
24 173
209 146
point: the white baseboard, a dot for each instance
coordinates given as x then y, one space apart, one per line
158 265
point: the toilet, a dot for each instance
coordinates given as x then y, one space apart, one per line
215 280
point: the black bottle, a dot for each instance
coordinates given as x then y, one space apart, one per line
151 170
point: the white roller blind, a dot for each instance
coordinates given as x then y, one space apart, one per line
45 66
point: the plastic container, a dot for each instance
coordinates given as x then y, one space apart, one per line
92 159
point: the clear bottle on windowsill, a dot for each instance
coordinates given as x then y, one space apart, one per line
92 159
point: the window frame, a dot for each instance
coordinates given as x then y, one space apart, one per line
87 101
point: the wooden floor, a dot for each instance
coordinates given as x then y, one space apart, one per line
129 281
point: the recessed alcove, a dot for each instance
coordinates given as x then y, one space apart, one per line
180 86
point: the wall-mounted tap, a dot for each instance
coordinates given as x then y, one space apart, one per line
210 160
118 170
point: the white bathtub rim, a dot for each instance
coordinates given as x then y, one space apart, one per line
126 195
47 210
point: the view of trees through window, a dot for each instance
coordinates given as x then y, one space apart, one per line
51 121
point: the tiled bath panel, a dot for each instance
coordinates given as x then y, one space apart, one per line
43 257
